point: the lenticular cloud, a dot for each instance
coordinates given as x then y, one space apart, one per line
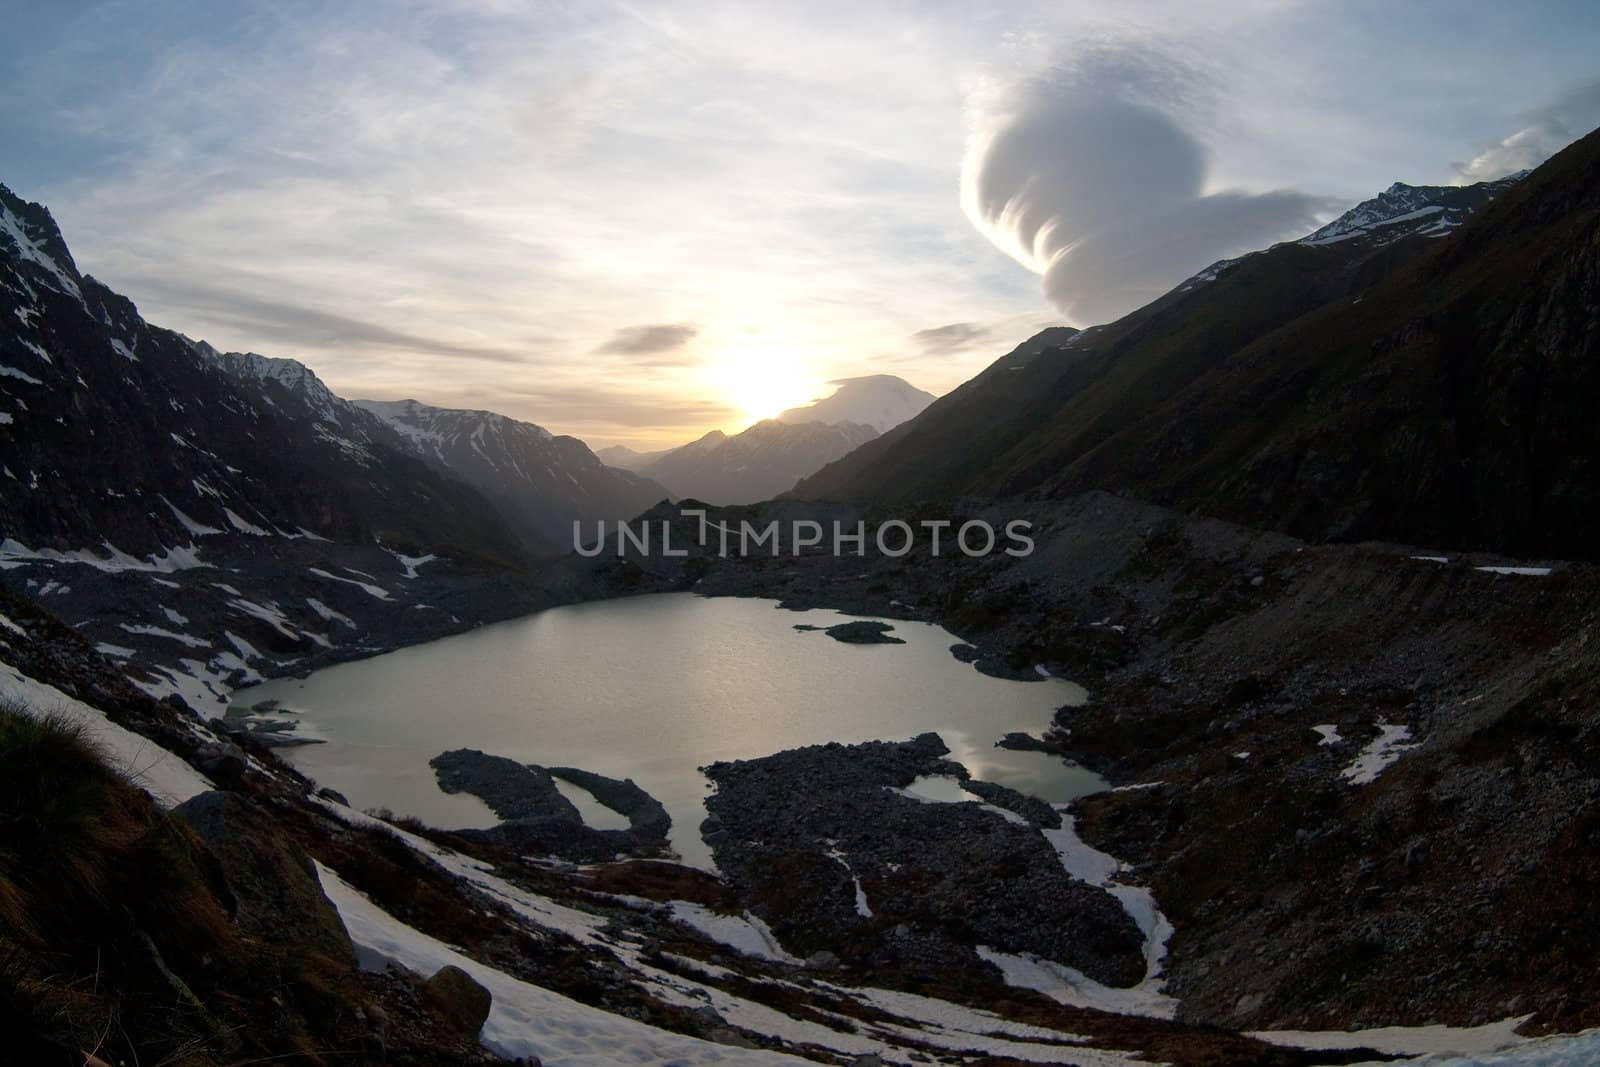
1086 178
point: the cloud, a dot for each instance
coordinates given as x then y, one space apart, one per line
1088 176
650 339
1546 131
282 322
956 337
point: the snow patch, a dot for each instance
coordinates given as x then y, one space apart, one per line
1383 750
743 933
525 1019
372 590
162 774
116 560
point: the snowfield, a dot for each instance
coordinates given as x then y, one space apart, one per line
158 772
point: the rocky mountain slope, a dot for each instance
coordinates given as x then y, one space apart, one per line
882 401
755 464
541 483
207 517
1431 388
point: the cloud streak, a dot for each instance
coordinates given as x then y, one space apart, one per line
955 337
1086 175
650 339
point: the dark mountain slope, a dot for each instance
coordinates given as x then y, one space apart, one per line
210 519
541 482
1451 403
118 432
1418 388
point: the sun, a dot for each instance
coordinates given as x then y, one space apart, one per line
763 381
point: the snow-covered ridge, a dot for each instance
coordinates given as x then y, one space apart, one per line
1398 212
293 375
16 238
1402 210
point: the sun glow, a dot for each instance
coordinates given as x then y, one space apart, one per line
763 381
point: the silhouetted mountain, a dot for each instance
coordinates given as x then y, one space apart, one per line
1433 387
625 458
758 463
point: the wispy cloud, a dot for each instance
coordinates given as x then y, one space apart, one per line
650 340
1548 129
955 337
449 199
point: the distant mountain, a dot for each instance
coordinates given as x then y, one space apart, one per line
757 464
541 483
1424 369
625 458
881 401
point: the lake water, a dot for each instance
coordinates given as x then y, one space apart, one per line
652 688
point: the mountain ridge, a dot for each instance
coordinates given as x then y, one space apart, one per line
1192 400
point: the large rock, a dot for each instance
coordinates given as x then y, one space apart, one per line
279 896
460 999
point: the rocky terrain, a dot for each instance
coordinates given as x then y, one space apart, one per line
288 925
827 845
1359 765
537 818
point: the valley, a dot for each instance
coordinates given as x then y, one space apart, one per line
1296 689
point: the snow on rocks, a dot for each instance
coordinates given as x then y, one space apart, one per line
525 1019
1069 986
1577 1050
746 934
162 774
411 563
1329 734
371 590
1383 750
173 559
144 629
863 908
327 614
1429 1041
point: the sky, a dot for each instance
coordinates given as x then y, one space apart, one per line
637 222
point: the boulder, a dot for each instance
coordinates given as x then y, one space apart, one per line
460 999
279 896
222 762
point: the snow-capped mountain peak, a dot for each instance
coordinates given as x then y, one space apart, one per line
1405 210
294 376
